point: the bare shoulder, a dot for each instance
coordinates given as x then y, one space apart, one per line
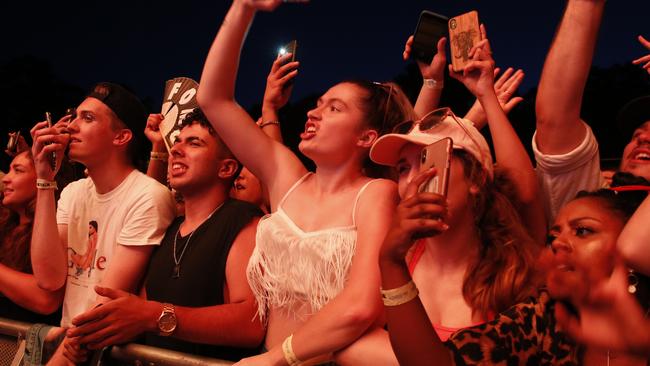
378 192
244 242
376 204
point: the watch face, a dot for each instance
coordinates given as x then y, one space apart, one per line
167 322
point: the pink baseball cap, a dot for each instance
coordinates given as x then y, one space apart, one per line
439 123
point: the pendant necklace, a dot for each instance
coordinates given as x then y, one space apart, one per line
177 261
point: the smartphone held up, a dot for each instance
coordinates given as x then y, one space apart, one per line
430 28
437 155
48 118
464 33
291 48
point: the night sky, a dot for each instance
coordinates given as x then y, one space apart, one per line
144 43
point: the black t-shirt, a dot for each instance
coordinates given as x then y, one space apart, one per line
202 272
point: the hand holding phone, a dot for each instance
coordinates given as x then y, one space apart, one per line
48 117
437 155
291 48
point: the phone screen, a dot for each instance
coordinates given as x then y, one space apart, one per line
431 27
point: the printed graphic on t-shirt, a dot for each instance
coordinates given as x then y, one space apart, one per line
82 265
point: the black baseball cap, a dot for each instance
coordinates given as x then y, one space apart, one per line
128 108
634 114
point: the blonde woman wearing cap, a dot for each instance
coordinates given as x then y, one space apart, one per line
314 269
473 265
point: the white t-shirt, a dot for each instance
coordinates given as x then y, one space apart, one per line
562 176
137 212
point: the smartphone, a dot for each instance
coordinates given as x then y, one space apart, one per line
72 112
12 144
437 155
48 118
289 48
464 33
431 27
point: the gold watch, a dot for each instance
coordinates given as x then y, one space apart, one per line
167 320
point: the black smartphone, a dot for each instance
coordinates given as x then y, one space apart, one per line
291 48
431 27
437 155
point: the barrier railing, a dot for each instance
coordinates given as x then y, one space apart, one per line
12 333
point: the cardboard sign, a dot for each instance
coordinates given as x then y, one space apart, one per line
179 100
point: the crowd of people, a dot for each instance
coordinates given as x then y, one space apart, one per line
229 247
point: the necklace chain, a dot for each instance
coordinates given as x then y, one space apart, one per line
177 261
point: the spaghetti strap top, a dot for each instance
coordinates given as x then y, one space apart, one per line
297 271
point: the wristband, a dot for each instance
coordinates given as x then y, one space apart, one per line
287 350
264 124
433 84
46 184
400 295
161 156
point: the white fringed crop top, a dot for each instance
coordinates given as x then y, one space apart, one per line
290 268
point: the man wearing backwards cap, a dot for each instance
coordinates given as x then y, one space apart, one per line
565 147
131 210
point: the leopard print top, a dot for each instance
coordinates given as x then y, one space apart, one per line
525 334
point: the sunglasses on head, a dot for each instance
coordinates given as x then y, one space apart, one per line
429 121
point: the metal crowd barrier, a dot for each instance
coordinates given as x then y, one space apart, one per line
12 336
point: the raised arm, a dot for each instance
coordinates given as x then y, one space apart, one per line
505 87
511 155
279 85
433 76
49 240
633 243
279 168
561 87
157 168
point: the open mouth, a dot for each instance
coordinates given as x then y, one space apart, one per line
310 131
178 168
643 156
